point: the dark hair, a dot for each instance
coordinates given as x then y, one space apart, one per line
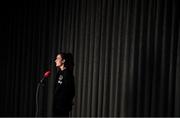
69 60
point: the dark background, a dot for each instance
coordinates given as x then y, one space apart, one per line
126 54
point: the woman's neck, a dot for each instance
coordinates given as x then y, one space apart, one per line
62 67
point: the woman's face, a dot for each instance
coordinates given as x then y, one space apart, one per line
59 61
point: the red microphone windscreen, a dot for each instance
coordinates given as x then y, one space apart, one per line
47 74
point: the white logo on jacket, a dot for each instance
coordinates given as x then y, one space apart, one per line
60 79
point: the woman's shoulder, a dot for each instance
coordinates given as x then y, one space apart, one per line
67 72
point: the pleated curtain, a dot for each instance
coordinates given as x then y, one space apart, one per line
126 55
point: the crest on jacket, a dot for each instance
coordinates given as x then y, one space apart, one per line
60 79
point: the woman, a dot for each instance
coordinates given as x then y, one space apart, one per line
64 86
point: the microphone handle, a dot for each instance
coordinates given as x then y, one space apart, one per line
37 95
42 80
37 106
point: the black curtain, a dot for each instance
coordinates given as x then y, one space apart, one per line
126 54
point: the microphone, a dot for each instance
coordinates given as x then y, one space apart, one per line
46 75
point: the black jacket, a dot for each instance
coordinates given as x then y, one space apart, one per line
64 91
